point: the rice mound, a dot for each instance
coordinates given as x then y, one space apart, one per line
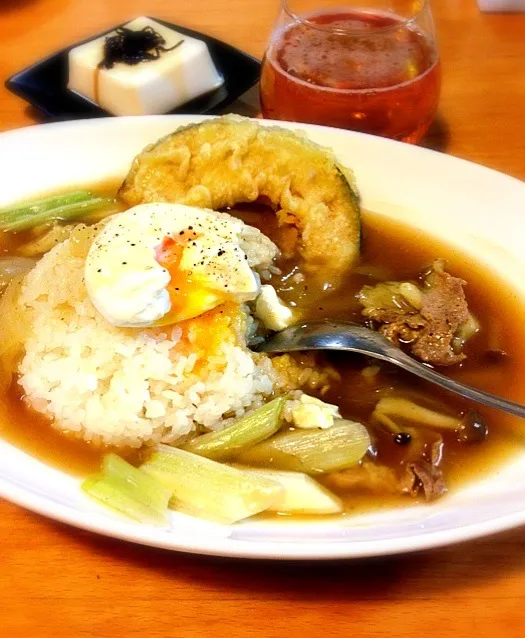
122 386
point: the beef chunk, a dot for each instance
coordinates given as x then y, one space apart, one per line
425 474
444 309
426 321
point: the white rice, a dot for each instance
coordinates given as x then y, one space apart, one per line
123 387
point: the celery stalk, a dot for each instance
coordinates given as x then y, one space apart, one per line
67 211
112 495
35 207
243 433
208 489
302 494
312 451
130 491
153 493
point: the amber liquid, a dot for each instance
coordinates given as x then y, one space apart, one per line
384 82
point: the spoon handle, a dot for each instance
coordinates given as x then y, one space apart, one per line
410 365
350 337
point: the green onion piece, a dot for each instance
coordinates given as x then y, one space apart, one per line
129 491
312 451
68 211
243 433
302 494
11 213
204 488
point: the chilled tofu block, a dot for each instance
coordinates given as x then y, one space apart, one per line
133 81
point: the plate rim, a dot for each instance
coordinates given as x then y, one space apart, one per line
269 549
197 117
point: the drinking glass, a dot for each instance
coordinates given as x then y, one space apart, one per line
370 66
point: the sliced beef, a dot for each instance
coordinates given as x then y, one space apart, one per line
444 309
428 330
423 475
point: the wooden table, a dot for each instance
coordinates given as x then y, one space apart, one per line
61 582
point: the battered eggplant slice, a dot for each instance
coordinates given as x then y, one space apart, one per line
231 160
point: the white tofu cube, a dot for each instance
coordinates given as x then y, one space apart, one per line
271 310
150 87
310 413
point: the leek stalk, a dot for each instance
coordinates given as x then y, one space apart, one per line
312 451
240 435
208 489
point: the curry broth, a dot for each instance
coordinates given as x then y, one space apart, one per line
390 251
394 251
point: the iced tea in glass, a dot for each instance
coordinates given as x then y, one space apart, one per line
371 67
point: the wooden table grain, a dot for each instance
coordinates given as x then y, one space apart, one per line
61 582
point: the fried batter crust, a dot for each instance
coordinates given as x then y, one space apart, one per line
225 161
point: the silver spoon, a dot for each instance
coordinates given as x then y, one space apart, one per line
351 337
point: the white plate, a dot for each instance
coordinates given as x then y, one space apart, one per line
479 210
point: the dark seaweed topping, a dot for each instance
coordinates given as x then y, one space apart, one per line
132 47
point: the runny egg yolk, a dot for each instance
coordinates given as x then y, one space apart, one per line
190 295
204 335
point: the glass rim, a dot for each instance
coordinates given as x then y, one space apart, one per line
341 31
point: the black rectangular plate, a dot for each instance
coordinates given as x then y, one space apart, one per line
44 84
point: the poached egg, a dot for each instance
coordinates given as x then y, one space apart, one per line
159 264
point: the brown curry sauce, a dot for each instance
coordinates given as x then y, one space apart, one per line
390 251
